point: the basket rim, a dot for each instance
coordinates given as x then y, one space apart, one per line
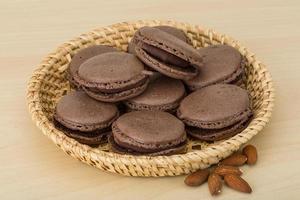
207 156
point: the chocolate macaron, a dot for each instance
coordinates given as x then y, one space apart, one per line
166 53
163 93
112 77
215 112
83 118
81 57
148 133
221 64
168 29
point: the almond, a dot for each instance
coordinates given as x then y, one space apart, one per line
236 159
251 153
197 178
222 170
214 184
237 183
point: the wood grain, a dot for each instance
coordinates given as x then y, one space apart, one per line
33 168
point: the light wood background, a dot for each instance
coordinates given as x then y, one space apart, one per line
32 167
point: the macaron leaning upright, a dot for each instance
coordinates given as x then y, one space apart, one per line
168 29
215 112
221 64
83 118
81 57
163 93
112 77
166 53
150 133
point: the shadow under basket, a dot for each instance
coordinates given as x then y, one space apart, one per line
48 84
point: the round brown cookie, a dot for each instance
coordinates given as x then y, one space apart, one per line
163 93
112 77
84 118
81 57
215 107
148 132
168 29
221 64
166 53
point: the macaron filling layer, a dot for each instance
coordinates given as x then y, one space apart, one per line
88 134
165 56
216 124
84 127
168 70
171 107
117 96
217 134
95 137
116 86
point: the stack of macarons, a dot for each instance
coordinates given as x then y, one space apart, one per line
170 91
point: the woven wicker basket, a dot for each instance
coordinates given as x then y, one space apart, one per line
48 83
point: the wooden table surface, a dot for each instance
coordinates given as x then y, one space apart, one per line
32 167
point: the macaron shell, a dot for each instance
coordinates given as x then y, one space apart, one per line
178 33
221 64
78 111
160 130
111 67
84 55
162 91
215 106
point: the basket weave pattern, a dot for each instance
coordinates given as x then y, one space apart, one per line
48 83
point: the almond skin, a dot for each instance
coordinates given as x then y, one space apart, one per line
214 184
251 153
223 170
237 183
197 178
236 159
